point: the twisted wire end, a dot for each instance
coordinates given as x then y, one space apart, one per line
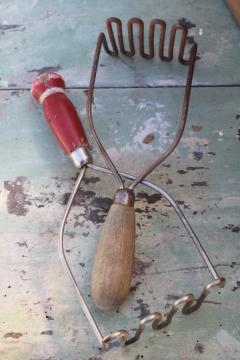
158 320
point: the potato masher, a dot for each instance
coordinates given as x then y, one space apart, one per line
117 241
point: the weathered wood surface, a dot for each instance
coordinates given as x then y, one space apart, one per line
40 315
62 36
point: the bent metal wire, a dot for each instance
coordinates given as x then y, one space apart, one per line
102 43
188 302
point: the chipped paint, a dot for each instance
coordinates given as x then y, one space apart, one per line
154 125
17 200
139 266
194 141
31 272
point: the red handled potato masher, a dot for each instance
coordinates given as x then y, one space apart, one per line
112 269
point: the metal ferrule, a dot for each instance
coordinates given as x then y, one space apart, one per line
81 157
124 197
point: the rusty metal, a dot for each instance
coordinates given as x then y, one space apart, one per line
188 302
190 62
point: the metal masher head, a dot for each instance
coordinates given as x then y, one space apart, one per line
116 42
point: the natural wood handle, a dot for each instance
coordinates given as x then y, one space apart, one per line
112 268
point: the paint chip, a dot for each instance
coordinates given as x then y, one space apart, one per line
149 138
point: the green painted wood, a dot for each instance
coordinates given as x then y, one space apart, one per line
61 35
40 316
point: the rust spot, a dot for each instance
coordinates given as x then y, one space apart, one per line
149 138
13 334
197 128
17 200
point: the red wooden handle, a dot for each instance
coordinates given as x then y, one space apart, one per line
62 117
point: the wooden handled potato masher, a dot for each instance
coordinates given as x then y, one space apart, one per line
112 269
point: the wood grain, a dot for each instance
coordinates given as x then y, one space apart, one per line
112 269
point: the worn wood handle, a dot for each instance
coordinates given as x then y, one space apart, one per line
113 264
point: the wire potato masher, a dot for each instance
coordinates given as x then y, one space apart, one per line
112 269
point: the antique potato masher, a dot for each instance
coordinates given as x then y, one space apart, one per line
112 269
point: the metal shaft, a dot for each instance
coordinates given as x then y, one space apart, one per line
65 262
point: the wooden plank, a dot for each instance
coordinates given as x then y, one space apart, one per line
62 36
40 315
